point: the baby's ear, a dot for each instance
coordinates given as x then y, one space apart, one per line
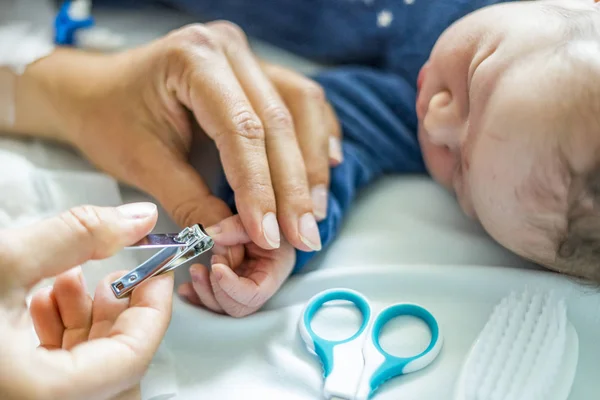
443 121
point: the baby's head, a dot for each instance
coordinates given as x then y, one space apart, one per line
509 112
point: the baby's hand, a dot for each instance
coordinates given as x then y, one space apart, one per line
242 276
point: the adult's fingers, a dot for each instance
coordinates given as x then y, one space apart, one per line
201 78
179 188
306 102
107 308
75 307
105 367
46 319
72 238
287 167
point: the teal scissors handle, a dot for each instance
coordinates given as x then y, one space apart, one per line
355 367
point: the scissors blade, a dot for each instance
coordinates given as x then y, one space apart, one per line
158 241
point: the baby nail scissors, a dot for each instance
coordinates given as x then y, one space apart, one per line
177 248
355 367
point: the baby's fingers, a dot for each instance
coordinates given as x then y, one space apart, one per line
106 308
244 294
251 292
187 292
203 287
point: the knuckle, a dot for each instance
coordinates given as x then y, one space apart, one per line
229 31
184 43
178 52
311 91
199 35
279 116
318 173
248 126
83 221
184 213
294 195
254 189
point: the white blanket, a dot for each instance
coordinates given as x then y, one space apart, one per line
394 247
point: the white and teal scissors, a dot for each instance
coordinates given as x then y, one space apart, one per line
355 367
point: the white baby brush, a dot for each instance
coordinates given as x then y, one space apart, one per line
528 350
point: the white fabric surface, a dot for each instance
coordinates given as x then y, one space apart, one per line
405 240
25 35
25 32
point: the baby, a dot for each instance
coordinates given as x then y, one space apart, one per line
504 110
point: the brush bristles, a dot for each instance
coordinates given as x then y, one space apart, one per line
519 351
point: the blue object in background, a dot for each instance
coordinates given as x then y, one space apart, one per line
65 27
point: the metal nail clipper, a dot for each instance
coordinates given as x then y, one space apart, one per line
177 248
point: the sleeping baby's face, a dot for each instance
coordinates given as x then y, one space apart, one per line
505 117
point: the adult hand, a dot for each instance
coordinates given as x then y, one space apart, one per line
90 349
133 115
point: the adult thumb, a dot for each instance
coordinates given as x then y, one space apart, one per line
83 233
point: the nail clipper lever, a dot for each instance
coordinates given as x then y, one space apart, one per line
176 248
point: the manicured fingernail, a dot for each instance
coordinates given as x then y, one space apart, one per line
271 230
335 149
319 199
309 231
137 210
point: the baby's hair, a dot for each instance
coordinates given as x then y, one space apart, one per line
578 252
578 246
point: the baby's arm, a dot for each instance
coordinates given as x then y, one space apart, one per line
379 123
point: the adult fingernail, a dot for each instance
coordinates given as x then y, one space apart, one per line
271 230
137 210
335 149
309 231
319 199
